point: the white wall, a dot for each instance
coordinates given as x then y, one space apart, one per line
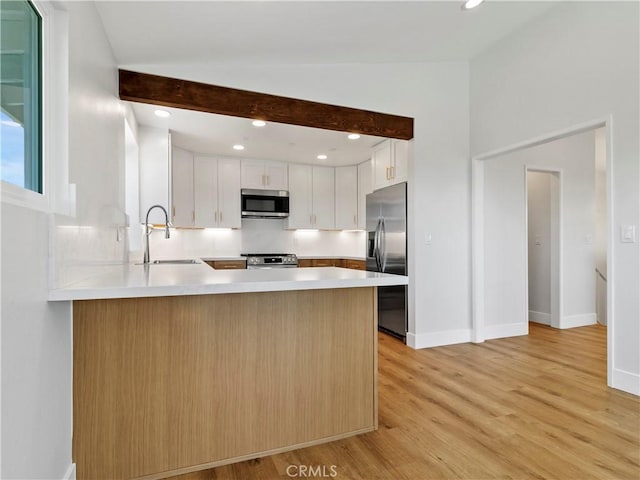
36 407
36 354
539 245
505 240
436 95
576 64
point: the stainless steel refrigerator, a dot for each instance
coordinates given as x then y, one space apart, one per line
387 252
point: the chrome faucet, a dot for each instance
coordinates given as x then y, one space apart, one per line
148 231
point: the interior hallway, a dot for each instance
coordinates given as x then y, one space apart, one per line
533 406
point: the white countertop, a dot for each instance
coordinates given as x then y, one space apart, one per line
132 281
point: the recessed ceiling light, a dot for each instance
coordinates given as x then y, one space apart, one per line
162 113
258 123
321 157
238 147
469 4
353 136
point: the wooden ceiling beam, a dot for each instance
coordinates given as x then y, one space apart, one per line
202 97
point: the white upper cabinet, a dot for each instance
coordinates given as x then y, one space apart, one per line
155 172
390 160
205 195
182 186
400 172
311 197
212 193
346 198
277 175
324 214
365 187
264 175
229 204
300 196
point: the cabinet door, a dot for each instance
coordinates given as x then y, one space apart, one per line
346 198
400 163
381 160
205 186
229 193
252 174
276 176
155 172
365 187
324 198
182 211
300 213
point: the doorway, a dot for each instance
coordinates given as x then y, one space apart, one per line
574 164
543 191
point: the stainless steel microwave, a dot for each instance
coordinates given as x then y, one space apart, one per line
264 203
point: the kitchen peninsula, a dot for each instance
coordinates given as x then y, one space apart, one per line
178 368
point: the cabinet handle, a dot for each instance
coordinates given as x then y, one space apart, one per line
310 219
173 211
315 220
354 220
393 172
387 173
220 215
193 216
215 217
268 180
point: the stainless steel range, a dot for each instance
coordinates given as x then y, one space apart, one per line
271 260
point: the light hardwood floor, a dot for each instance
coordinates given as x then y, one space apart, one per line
528 407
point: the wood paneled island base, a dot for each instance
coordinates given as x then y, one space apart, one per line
169 385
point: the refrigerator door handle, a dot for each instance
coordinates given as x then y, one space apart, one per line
382 246
376 247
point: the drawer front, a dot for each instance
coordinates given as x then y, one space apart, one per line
228 264
355 264
307 262
327 262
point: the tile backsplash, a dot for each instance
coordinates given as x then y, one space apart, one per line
256 235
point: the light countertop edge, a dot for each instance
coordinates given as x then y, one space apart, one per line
133 281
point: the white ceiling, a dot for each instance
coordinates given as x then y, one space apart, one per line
179 32
216 134
306 31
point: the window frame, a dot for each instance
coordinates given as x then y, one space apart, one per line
57 195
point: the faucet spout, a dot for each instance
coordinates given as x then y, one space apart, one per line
147 231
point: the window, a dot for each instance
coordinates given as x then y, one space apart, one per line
21 95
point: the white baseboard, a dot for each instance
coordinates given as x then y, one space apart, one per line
71 473
438 339
506 330
626 381
580 320
540 317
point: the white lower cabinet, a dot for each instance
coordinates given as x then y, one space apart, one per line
346 198
311 197
213 196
